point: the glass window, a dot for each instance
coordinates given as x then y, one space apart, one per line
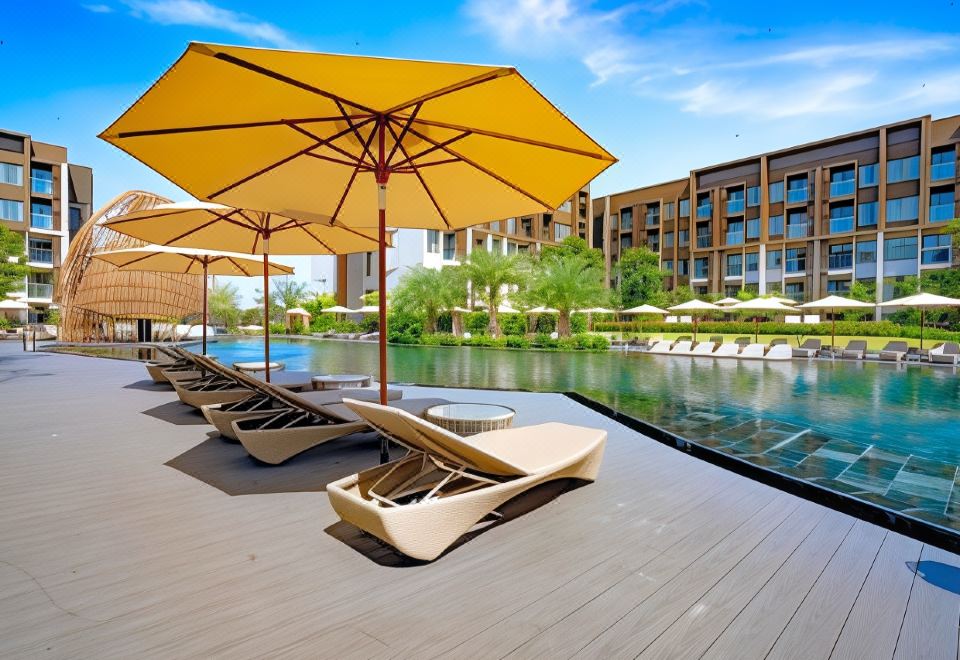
735 201
511 225
753 196
683 237
774 259
753 262
734 265
775 225
433 241
869 175
668 265
11 174
776 192
941 205
797 189
704 206
794 290
899 249
653 242
943 164
797 225
626 219
838 286
41 215
41 180
867 214
867 252
668 239
369 264
684 208
450 246
841 217
796 260
735 232
11 209
653 214
704 237
936 249
903 209
511 247
76 219
560 231
668 209
683 267
842 181
626 241
753 228
701 268
903 169
840 256
40 250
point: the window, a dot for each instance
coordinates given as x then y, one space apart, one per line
731 290
40 250
775 225
842 181
943 164
683 267
545 226
753 262
753 196
701 268
776 192
841 217
794 290
668 210
433 241
838 286
450 246
774 259
626 241
704 206
796 189
668 239
496 247
11 174
613 221
900 249
869 175
867 214
903 209
653 215
626 219
653 242
936 249
565 207
735 232
11 143
511 247
40 285
41 180
668 265
369 264
753 228
840 256
41 215
12 210
797 225
683 237
684 208
495 226
704 238
511 226
735 201
734 265
941 205
76 219
560 232
796 260
867 252
903 169
526 225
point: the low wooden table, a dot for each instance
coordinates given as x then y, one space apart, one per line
340 381
250 367
470 418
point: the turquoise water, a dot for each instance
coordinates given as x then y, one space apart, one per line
882 432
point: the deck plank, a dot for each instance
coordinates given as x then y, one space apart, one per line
933 609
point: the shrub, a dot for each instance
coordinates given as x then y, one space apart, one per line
487 341
296 328
546 323
441 339
5 323
476 322
578 323
514 341
545 341
513 324
884 328
277 328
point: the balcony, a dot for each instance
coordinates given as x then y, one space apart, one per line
734 238
798 230
653 219
840 261
841 188
796 266
841 224
41 186
796 195
942 171
41 221
941 212
735 206
39 290
704 240
705 211
41 256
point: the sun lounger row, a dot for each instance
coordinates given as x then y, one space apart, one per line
741 348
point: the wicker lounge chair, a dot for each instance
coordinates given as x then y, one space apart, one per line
855 350
808 349
422 503
179 362
948 353
894 351
223 385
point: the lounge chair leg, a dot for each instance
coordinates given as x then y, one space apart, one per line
384 449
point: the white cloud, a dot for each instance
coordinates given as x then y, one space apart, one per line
203 14
99 9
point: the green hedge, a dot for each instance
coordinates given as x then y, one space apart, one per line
844 328
578 342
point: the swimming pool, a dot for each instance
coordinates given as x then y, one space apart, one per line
885 434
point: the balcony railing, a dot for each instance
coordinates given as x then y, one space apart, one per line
705 211
704 240
38 290
795 195
841 224
796 265
840 261
734 206
701 274
41 255
798 230
735 238
841 188
941 212
42 186
41 221
653 219
943 171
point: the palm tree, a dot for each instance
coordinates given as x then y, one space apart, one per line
223 303
286 293
567 283
490 274
429 291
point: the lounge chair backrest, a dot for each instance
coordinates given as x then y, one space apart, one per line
778 341
897 347
856 345
684 338
716 339
742 341
951 348
420 435
812 344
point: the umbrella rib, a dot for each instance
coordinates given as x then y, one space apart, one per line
409 169
485 170
239 266
403 133
329 145
430 150
356 132
455 87
227 127
337 160
192 231
353 177
419 176
317 239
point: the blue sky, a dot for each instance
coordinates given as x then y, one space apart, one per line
666 85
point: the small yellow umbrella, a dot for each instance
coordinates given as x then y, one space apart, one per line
189 261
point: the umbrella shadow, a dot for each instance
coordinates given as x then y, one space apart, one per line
148 385
384 555
177 413
228 467
938 574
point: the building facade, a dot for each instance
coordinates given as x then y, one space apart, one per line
806 221
46 199
351 276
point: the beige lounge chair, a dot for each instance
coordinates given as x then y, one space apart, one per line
855 350
778 352
425 501
224 385
808 349
177 360
894 351
947 353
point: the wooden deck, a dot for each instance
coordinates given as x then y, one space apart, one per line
125 531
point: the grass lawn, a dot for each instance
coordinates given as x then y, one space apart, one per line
873 343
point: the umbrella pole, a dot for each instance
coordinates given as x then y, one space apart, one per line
756 330
383 175
205 312
266 309
922 312
833 330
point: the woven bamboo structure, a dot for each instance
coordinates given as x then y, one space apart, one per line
97 299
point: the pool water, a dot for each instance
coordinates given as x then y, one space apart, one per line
884 433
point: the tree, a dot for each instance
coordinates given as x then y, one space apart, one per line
639 276
285 293
428 292
490 274
223 302
11 272
567 282
953 228
576 247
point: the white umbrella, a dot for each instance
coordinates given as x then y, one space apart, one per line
785 301
9 303
728 301
300 311
923 301
695 306
594 310
368 309
761 305
543 310
506 309
337 309
645 309
833 303
461 310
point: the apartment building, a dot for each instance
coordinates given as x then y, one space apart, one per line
805 221
46 199
351 276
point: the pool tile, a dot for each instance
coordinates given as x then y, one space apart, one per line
874 471
841 450
922 477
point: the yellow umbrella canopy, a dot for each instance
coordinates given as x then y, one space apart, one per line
320 137
163 259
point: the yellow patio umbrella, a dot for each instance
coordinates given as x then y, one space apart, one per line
321 136
194 224
189 261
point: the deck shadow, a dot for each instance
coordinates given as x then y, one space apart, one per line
938 574
227 467
177 413
384 555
